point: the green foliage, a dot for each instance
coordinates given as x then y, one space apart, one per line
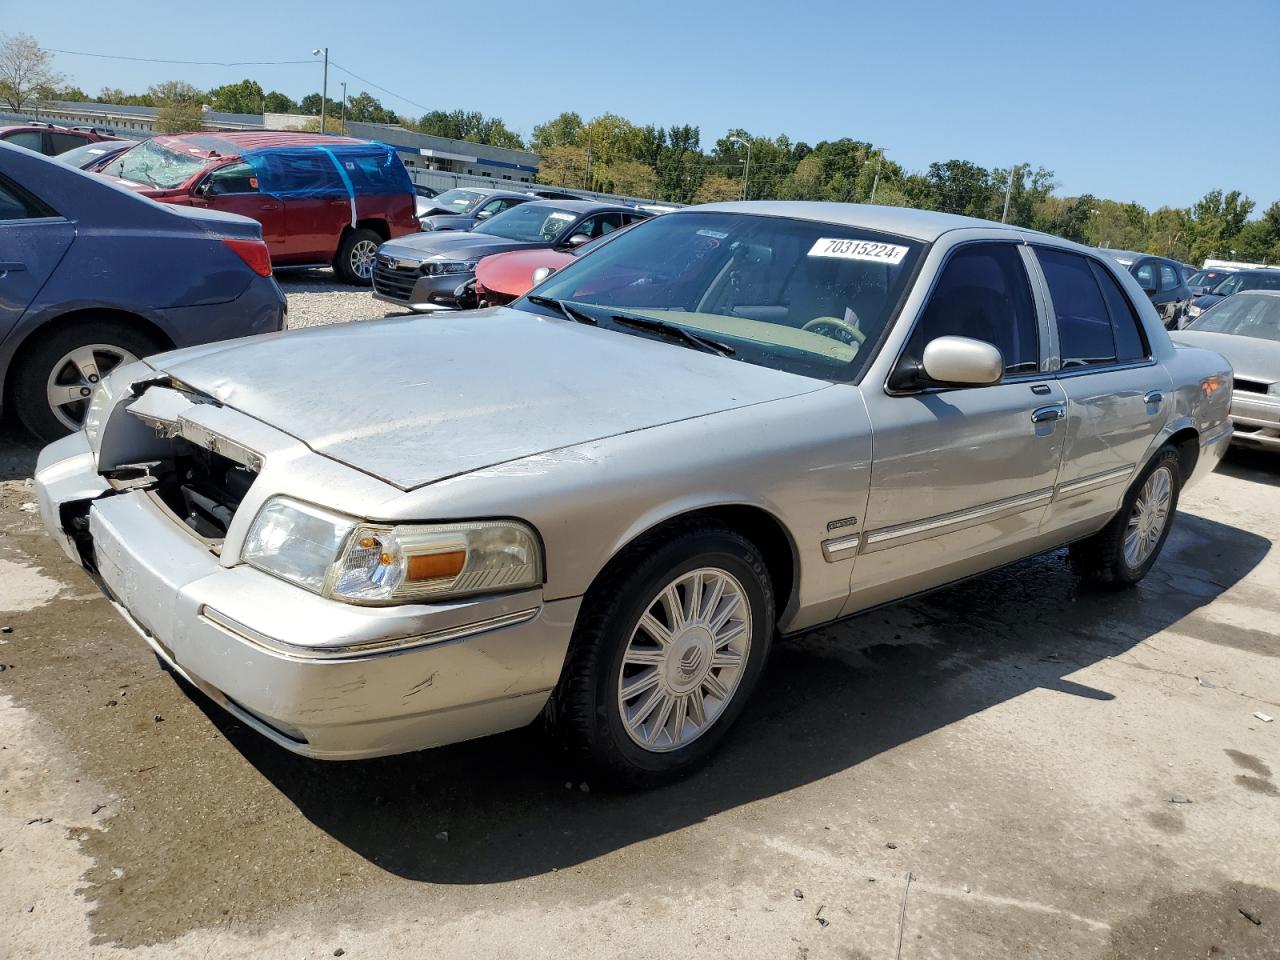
562 131
473 126
276 102
179 106
243 97
368 109
26 72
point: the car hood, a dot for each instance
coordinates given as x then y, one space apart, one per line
419 399
451 244
450 221
1250 358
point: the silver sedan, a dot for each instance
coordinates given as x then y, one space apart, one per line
603 504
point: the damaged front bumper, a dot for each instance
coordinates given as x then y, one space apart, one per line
318 677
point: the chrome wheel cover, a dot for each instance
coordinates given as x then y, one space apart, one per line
684 660
1149 516
363 253
75 378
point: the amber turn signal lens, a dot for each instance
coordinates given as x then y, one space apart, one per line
1211 385
436 566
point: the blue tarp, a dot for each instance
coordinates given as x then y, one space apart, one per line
340 170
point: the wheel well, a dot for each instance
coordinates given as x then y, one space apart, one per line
1187 442
757 525
95 314
378 226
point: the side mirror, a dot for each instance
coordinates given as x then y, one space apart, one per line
484 214
577 240
541 274
204 188
963 362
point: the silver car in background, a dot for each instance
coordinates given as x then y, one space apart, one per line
1245 328
603 503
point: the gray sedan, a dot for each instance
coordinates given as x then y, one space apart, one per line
1245 328
430 271
603 504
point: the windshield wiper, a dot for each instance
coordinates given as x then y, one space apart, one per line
571 313
675 332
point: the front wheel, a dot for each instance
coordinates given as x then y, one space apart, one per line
356 255
1125 549
668 648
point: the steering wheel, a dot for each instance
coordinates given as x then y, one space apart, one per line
836 329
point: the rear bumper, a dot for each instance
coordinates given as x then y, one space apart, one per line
1257 419
288 663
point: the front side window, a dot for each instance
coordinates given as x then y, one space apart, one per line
796 295
530 223
983 294
1168 278
1146 275
233 178
1085 335
1248 315
154 165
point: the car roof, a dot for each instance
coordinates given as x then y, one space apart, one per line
1257 271
925 225
1138 255
580 206
237 142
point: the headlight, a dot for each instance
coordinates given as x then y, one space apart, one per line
437 268
1273 390
1194 311
366 563
106 395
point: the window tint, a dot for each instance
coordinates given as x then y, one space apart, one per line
17 204
62 142
1168 279
1260 281
1130 343
235 178
1146 275
983 293
30 139
1084 324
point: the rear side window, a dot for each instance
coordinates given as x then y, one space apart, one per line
62 142
1146 275
31 139
1168 278
1084 324
984 294
1130 342
17 204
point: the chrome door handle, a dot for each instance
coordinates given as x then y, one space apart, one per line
1153 398
10 267
1048 414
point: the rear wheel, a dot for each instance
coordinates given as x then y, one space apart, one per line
356 254
668 648
57 378
1125 549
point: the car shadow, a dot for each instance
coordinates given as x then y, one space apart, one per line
1252 464
829 701
18 452
313 280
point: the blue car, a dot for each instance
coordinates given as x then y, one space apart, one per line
93 276
1262 278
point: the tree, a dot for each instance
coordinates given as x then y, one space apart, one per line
563 167
630 177
364 108
471 126
563 131
1067 218
118 96
69 94
179 106
1259 240
26 71
243 97
1216 219
276 102
716 187
959 186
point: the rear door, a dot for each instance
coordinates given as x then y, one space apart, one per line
60 142
1118 397
317 206
235 188
33 239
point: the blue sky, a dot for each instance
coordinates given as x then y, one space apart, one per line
1100 92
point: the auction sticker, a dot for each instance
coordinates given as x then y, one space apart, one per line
858 250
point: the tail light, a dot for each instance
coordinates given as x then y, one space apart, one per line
252 252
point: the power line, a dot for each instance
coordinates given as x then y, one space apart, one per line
189 63
390 93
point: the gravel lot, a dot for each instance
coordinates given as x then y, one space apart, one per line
1012 768
316 297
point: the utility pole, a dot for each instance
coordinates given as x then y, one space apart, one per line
746 167
875 183
587 184
1004 217
344 108
324 87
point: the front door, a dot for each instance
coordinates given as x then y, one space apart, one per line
1118 397
235 189
961 477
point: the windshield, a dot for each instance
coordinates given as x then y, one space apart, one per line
86 154
1248 281
457 201
1207 279
794 295
529 222
155 165
1247 315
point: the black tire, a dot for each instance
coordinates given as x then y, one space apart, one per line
345 263
30 395
584 711
1100 559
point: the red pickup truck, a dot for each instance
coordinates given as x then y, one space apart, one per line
320 199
